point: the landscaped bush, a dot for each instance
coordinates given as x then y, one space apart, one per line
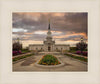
73 49
25 50
78 52
17 52
82 53
79 58
85 53
49 60
21 57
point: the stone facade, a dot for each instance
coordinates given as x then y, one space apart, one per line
49 45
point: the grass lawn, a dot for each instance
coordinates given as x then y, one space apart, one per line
49 60
79 58
21 57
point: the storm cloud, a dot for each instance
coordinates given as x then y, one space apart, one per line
68 26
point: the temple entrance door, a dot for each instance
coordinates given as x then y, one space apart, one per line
49 48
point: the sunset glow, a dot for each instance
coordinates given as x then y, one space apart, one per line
66 28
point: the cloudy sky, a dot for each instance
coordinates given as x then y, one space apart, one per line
66 28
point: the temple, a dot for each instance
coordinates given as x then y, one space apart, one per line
49 44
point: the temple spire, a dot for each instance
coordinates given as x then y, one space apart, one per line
49 25
49 31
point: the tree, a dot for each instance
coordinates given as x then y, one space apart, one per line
81 45
17 46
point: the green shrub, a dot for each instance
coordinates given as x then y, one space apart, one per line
79 58
73 49
21 57
25 50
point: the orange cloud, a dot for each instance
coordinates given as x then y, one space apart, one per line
28 33
58 14
73 34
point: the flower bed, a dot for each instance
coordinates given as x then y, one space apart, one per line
84 53
49 60
22 57
79 58
16 52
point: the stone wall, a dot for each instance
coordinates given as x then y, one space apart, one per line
36 47
62 47
52 47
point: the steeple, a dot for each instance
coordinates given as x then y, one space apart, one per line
49 25
49 36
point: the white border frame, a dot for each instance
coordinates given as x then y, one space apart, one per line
9 77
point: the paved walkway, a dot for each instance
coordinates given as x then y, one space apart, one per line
71 64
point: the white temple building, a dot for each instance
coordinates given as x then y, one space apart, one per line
49 45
